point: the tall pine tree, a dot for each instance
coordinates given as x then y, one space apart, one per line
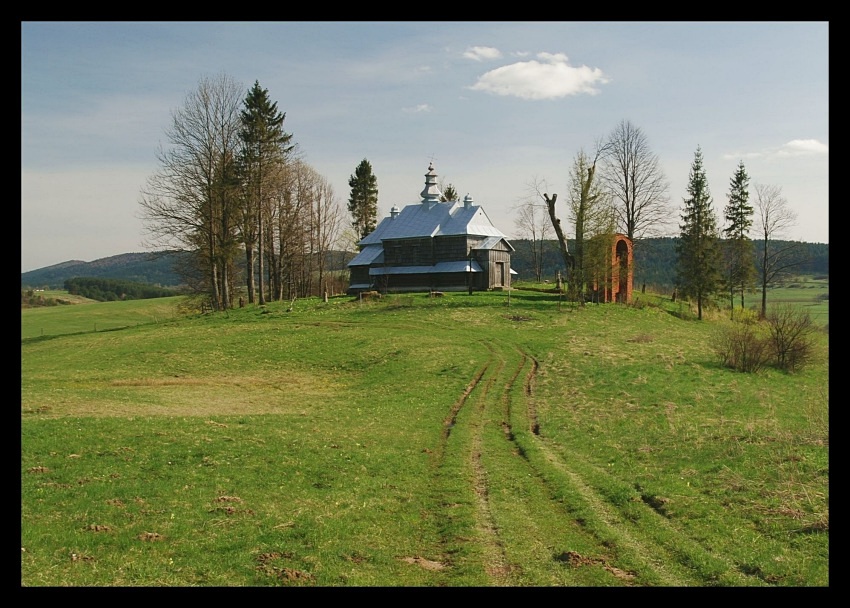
363 201
265 146
698 249
740 266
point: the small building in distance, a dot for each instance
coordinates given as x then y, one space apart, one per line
433 246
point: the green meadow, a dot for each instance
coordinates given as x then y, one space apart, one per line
494 439
810 293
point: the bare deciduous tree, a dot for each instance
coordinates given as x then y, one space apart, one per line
327 219
539 188
532 224
192 202
773 219
591 213
633 176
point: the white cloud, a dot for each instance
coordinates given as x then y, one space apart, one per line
479 53
550 78
422 107
742 155
795 147
798 147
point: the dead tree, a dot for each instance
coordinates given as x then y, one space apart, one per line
569 260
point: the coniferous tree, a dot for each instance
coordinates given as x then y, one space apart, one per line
740 267
363 201
264 146
449 194
698 249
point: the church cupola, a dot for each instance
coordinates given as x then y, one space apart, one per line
431 193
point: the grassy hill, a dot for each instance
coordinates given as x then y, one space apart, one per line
497 439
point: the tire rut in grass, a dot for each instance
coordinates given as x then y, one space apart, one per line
534 428
441 497
497 566
534 424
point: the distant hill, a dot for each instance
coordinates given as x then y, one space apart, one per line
655 265
655 259
149 268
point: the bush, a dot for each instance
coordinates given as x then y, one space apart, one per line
741 346
791 338
747 316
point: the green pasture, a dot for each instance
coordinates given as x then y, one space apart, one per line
493 439
811 294
91 316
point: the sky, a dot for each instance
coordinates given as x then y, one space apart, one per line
496 106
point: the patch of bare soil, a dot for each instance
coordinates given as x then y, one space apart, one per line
231 511
427 564
576 560
266 565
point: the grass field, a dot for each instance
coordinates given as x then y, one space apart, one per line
498 439
811 294
91 316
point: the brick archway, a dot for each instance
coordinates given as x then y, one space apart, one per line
622 268
617 286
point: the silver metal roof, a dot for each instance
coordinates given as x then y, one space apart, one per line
434 219
369 254
492 241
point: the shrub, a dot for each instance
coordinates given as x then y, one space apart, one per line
747 316
741 346
790 337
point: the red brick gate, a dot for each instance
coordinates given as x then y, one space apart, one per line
616 286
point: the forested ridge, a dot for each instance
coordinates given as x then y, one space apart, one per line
655 260
655 264
108 290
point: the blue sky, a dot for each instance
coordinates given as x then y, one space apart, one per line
496 105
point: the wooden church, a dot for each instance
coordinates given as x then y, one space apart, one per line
433 246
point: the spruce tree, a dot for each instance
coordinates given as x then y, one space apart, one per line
265 145
698 250
449 194
363 201
740 266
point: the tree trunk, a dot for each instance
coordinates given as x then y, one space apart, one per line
562 240
249 264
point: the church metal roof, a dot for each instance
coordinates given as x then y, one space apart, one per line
432 220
